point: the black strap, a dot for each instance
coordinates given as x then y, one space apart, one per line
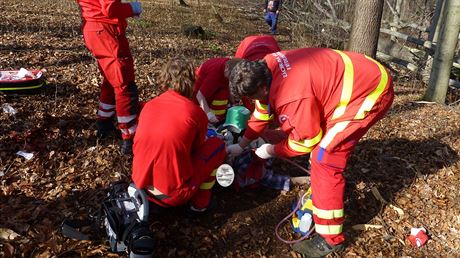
70 228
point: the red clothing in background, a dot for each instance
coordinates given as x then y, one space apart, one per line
257 47
253 48
212 83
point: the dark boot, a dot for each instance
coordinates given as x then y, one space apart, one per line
127 147
104 127
193 213
316 247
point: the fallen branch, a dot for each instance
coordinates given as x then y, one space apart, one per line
388 58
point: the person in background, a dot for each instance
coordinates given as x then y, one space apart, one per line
173 160
254 48
271 12
104 27
325 100
211 87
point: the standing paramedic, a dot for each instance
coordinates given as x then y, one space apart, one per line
325 100
104 27
173 160
271 12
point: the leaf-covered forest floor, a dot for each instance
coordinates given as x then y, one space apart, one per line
411 157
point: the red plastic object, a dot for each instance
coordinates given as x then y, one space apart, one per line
418 237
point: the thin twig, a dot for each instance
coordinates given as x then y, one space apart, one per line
8 169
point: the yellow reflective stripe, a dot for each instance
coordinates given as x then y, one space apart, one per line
337 128
207 185
219 102
328 214
295 221
375 94
23 88
306 145
261 106
308 205
328 229
260 116
214 172
347 87
218 112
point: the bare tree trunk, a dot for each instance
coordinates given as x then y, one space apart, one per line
396 17
366 26
442 63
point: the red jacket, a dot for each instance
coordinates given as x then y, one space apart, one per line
212 83
314 89
106 11
256 47
164 143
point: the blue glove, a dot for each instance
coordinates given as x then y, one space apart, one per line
137 8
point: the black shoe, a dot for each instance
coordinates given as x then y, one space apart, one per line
316 247
104 128
126 147
193 213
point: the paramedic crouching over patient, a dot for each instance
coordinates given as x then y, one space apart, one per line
325 100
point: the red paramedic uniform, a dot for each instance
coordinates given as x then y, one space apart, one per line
172 154
212 83
104 27
325 100
254 48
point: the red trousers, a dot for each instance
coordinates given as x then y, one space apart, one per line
109 45
327 166
206 160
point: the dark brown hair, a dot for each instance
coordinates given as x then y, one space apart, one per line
178 75
247 77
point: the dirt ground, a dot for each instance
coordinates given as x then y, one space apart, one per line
411 157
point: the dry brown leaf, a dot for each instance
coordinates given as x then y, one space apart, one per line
8 234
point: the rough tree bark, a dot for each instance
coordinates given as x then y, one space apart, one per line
366 26
443 57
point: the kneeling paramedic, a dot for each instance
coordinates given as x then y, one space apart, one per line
173 160
325 100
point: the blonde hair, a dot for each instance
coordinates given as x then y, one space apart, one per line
178 75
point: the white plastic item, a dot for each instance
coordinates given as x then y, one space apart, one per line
225 175
305 222
23 73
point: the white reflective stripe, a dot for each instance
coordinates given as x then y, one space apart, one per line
131 130
328 214
105 114
106 106
337 128
328 229
126 119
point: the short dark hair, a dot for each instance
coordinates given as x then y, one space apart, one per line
247 77
178 75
